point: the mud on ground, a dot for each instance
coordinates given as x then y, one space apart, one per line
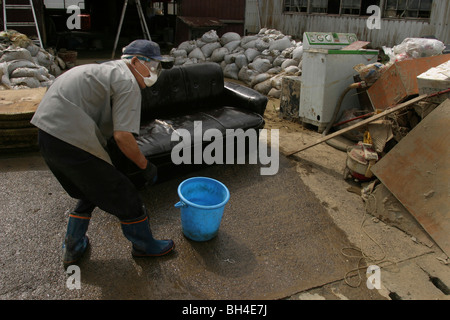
412 265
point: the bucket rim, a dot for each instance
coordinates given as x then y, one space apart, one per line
199 206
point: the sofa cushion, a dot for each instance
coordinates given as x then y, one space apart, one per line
183 90
155 138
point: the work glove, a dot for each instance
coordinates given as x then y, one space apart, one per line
150 174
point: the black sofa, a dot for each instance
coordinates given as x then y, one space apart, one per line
181 96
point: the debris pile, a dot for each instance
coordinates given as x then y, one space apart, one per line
260 60
402 154
23 64
413 48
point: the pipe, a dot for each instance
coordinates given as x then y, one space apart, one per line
339 103
372 113
353 119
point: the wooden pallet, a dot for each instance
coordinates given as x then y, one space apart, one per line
17 107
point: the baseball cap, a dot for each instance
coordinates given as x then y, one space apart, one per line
149 49
144 48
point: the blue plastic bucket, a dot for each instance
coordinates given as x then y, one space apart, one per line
202 202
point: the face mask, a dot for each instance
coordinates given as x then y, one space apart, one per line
149 81
154 72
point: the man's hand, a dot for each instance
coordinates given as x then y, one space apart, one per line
151 173
128 145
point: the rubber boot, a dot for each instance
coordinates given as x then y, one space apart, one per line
144 245
75 242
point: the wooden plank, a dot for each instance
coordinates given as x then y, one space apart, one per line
356 45
20 104
417 170
364 122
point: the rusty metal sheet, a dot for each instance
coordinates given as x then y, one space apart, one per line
400 81
417 170
201 22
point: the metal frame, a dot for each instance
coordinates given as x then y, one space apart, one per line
406 8
21 24
141 19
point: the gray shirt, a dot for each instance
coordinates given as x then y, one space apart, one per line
86 104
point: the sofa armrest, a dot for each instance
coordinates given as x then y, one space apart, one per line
237 95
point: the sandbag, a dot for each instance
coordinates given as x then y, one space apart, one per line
260 65
33 49
266 57
219 54
228 37
46 83
274 70
43 58
180 61
191 61
238 50
208 48
297 53
281 44
13 65
241 60
247 39
231 71
4 75
247 75
40 74
60 62
260 78
250 44
199 43
197 54
188 46
274 93
273 32
289 62
26 81
292 70
210 36
263 87
262 44
230 58
278 61
54 70
11 54
232 45
179 53
251 54
275 81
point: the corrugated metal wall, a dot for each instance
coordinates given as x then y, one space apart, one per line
392 32
252 18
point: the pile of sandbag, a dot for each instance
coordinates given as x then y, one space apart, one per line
24 64
259 60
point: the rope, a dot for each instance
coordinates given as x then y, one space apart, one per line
370 260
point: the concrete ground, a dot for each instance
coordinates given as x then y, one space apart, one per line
276 239
296 235
287 236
